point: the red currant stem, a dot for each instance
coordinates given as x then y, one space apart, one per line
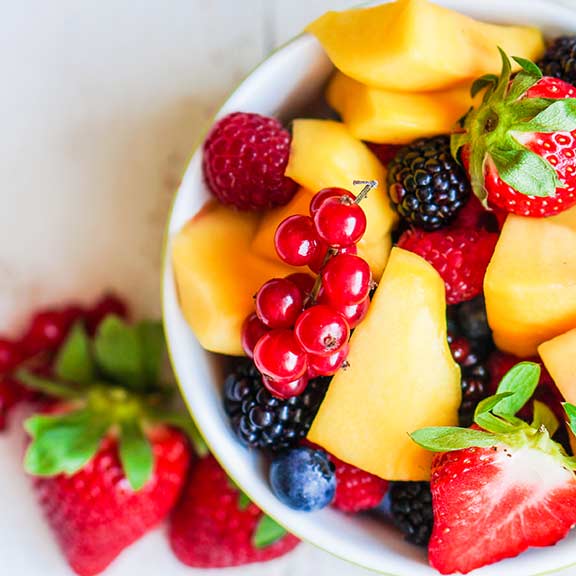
368 185
311 300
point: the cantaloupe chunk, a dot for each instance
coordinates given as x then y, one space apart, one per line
385 116
217 275
375 253
402 376
530 284
415 45
559 357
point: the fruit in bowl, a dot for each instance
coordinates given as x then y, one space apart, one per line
381 294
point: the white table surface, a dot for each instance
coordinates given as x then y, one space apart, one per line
101 103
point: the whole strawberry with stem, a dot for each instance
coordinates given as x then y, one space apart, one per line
216 526
520 143
108 461
502 485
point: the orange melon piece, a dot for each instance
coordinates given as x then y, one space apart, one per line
416 45
530 284
390 390
559 357
217 275
385 116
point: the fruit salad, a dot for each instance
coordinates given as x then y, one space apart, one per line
397 284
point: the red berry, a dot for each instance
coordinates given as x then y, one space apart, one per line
285 390
279 356
326 193
252 330
296 241
460 348
346 279
327 365
304 281
354 313
109 304
279 303
321 330
245 156
10 355
356 490
340 222
46 332
459 255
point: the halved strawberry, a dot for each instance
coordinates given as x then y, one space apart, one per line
501 486
519 143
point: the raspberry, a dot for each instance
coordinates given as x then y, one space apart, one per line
245 156
460 256
356 490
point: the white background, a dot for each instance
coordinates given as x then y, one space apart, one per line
101 103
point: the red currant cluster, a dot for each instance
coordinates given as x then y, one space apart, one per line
41 339
302 324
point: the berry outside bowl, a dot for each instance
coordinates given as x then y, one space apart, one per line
283 86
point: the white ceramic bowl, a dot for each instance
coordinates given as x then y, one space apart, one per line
282 86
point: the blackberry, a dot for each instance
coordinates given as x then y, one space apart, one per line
411 510
426 184
263 421
559 60
472 319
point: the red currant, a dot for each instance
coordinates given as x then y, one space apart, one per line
296 241
346 280
340 222
252 330
327 365
317 263
279 356
109 304
460 348
322 330
279 303
354 313
285 390
10 355
326 193
304 281
46 332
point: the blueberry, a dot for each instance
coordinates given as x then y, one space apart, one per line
472 319
303 479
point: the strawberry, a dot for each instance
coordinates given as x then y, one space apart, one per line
108 464
501 486
521 142
216 526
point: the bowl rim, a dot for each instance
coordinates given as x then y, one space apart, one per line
166 265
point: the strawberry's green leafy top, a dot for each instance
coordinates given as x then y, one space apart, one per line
498 423
492 131
108 385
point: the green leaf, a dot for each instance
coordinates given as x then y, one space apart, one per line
243 501
543 416
153 348
136 454
74 361
524 171
504 79
527 108
448 438
570 410
63 444
119 354
521 380
477 164
458 140
528 66
483 82
49 387
489 403
560 116
267 532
